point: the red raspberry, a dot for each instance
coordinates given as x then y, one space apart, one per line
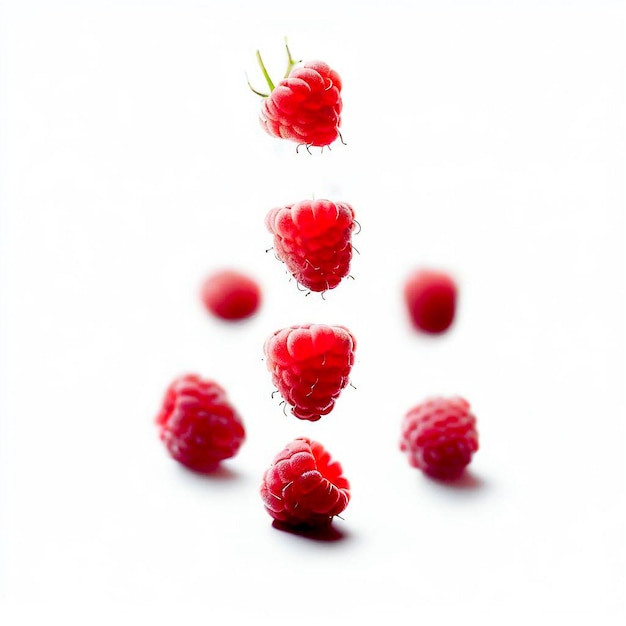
304 486
430 297
305 106
439 437
198 424
310 365
314 239
231 295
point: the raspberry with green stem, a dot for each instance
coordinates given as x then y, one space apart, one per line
305 106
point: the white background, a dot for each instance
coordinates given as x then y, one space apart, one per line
485 138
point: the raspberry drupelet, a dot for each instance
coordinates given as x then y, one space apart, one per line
310 365
314 240
304 487
305 106
439 437
198 424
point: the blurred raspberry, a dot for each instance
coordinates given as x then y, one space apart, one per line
198 425
304 486
314 239
231 295
439 437
310 365
430 297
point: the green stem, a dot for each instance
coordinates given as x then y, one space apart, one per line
270 84
290 62
258 93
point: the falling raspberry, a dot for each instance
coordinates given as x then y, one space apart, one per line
430 297
231 295
310 365
198 425
439 437
304 486
305 106
314 240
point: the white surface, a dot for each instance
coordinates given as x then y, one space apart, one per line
486 138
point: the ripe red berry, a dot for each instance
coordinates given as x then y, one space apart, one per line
305 106
304 486
310 365
231 295
430 297
198 425
314 239
439 437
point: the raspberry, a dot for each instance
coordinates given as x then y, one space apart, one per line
310 365
198 424
430 297
313 238
304 486
305 106
231 295
439 437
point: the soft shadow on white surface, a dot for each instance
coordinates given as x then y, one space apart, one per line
330 534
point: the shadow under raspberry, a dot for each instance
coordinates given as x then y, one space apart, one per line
221 473
467 481
329 533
